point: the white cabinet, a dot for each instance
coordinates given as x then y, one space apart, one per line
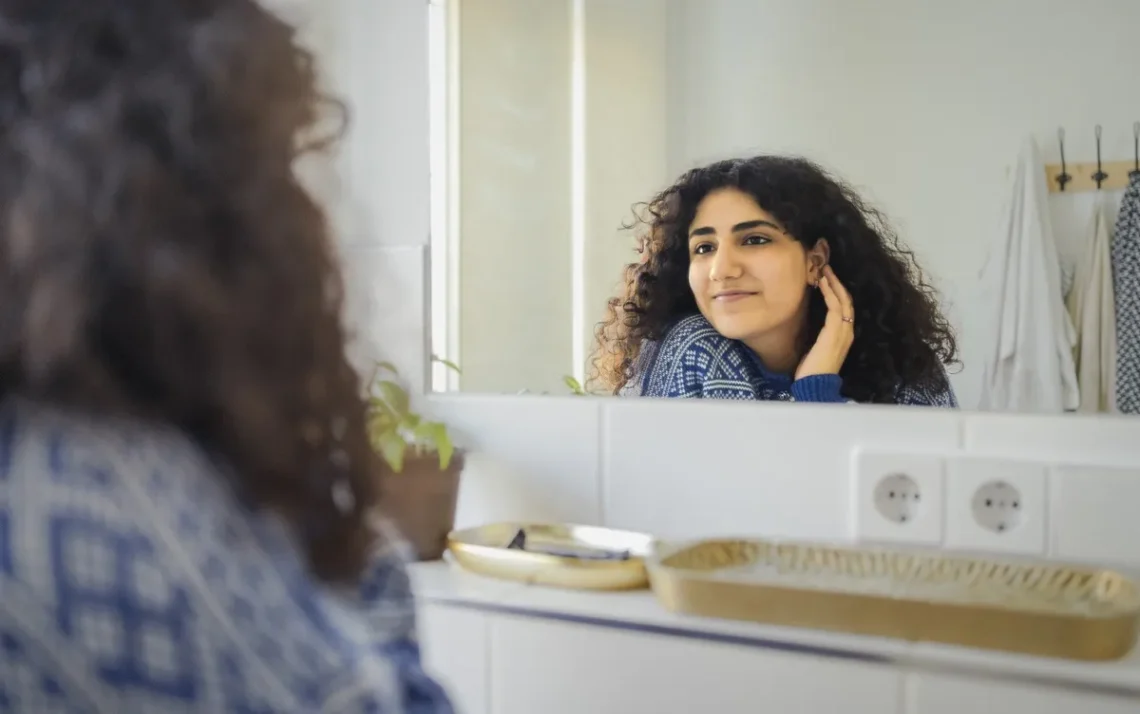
496 663
562 668
956 694
454 645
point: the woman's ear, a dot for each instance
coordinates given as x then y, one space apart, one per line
817 257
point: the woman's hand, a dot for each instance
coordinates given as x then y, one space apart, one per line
830 349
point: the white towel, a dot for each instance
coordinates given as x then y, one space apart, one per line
1029 367
1093 309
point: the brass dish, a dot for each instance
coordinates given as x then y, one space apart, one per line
569 556
1032 608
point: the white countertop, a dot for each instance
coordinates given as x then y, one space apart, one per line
446 583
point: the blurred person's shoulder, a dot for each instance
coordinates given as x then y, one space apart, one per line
132 578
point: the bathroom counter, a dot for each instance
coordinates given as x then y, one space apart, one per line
640 625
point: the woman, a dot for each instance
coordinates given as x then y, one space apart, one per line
767 279
186 486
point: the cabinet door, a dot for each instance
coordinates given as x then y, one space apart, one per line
558 668
454 645
954 694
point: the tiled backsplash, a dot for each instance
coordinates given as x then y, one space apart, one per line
695 469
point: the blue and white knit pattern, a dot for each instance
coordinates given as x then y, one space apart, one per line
132 581
1126 284
694 361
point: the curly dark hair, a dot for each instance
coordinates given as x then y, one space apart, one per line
162 260
901 336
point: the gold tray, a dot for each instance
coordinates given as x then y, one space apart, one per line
484 550
1026 607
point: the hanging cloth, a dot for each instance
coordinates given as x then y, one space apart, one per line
1030 364
1126 278
1093 310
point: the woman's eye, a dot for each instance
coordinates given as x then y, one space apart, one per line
702 249
757 240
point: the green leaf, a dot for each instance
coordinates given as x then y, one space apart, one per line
381 419
447 363
573 384
387 367
427 432
395 397
411 421
435 434
392 449
382 410
444 446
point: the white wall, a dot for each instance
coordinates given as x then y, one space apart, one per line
921 104
374 56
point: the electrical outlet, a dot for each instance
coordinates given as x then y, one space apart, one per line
996 505
897 497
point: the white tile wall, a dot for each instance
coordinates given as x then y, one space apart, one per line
374 57
739 468
1107 441
386 298
380 61
1095 513
532 458
695 469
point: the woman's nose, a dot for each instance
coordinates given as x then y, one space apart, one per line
725 265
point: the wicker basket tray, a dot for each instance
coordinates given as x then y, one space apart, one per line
1033 608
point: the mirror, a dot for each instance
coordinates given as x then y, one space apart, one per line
552 121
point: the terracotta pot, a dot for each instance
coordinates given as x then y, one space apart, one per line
421 500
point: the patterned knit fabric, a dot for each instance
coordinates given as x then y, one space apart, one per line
694 361
1126 284
132 582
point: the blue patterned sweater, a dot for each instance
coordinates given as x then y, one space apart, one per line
132 581
694 361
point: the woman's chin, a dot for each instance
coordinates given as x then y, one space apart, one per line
739 328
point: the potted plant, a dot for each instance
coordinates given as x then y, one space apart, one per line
422 491
575 386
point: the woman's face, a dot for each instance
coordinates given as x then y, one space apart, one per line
750 278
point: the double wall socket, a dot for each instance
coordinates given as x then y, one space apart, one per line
958 502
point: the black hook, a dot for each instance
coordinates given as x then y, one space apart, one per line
1063 177
1135 150
1100 175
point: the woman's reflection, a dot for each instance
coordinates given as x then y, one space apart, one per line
768 279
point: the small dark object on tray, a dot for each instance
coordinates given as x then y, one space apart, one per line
581 553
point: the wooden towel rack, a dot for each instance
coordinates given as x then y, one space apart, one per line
1082 176
1091 176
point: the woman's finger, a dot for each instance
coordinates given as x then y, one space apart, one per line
830 297
840 292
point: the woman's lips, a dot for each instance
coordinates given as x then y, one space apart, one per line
732 295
